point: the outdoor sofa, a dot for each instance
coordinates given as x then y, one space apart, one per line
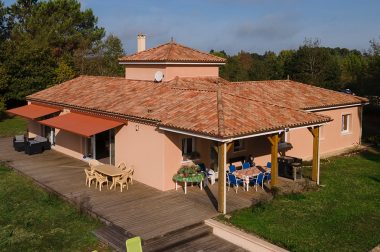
37 145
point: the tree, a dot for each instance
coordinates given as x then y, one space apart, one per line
103 59
63 72
3 26
42 40
314 64
372 81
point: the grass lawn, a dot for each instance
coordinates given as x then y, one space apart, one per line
10 126
33 220
342 216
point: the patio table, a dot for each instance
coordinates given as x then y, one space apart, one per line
245 174
109 170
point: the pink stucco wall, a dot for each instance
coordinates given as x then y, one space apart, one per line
69 143
331 138
142 146
34 128
172 158
143 72
191 71
146 72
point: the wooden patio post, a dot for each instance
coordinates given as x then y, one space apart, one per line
222 177
316 160
274 139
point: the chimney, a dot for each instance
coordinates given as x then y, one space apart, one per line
141 42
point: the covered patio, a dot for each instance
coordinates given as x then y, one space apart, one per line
142 210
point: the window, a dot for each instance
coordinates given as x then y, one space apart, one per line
238 145
188 145
346 123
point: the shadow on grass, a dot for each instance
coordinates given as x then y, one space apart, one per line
374 179
373 154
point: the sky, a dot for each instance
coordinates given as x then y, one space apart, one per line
235 25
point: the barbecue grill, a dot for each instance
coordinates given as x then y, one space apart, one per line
290 167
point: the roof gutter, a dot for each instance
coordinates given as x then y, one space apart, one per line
226 140
336 107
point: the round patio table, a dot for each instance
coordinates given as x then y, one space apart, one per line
194 178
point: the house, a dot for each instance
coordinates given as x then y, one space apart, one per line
172 102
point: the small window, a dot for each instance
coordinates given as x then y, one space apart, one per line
188 145
345 123
238 145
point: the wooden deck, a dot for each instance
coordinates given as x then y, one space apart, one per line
142 210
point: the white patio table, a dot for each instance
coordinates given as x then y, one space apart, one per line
109 170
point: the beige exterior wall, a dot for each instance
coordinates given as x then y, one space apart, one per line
34 128
142 146
146 72
331 137
258 147
172 158
69 143
190 71
143 72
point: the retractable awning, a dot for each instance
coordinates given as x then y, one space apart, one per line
80 124
32 111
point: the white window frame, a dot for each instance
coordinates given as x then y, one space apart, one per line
241 145
348 122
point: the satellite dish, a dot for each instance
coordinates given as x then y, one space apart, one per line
158 76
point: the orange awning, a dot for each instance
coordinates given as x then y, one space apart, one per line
84 125
32 111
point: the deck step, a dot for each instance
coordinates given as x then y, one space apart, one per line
114 236
178 237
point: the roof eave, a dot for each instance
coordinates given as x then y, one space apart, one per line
229 138
157 62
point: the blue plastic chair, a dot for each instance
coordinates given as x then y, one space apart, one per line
232 180
246 165
232 168
269 165
258 180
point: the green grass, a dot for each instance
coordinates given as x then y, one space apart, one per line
32 219
10 126
344 215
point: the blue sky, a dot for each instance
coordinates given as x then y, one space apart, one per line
234 25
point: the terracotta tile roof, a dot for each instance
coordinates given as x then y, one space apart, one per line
294 94
172 52
284 93
207 105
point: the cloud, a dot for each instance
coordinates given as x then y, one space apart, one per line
270 27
